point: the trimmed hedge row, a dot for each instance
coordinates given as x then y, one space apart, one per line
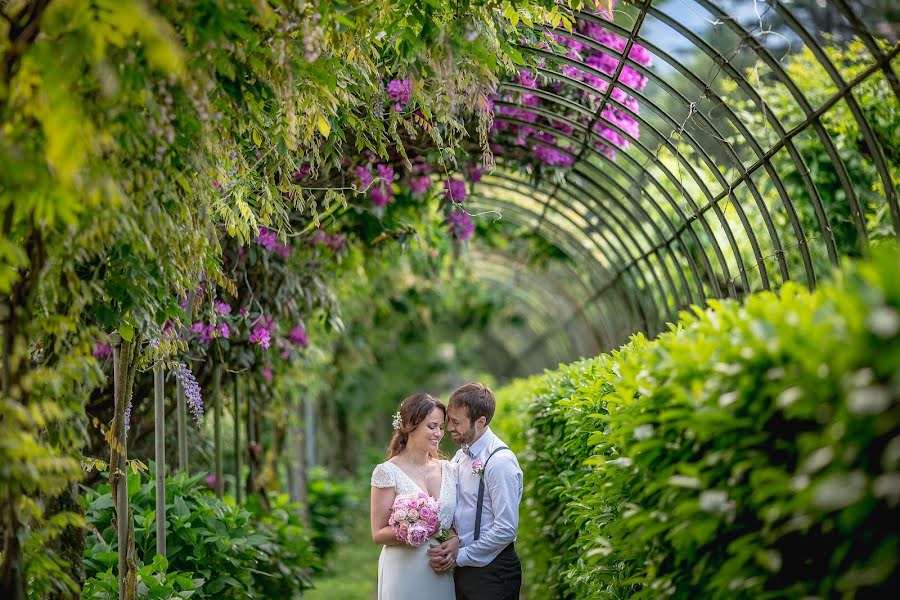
750 452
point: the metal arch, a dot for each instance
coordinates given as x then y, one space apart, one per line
635 200
554 237
712 202
869 40
534 308
613 247
627 213
570 247
637 309
492 202
601 232
827 143
770 117
537 296
639 206
846 92
708 92
698 180
697 210
598 337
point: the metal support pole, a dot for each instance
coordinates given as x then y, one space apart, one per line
159 424
122 479
310 422
237 441
217 431
251 443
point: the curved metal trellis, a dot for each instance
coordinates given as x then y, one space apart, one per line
653 235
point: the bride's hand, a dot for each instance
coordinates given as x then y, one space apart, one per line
442 557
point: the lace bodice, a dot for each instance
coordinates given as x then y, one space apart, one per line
387 474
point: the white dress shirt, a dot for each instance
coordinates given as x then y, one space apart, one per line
502 495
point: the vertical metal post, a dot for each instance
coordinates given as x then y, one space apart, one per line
159 424
300 476
217 431
237 440
289 458
122 479
251 442
310 422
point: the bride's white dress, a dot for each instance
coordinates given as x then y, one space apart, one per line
403 571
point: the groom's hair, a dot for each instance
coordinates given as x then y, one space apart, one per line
478 400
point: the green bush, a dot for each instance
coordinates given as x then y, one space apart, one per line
332 505
232 554
751 452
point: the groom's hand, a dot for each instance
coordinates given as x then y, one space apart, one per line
442 557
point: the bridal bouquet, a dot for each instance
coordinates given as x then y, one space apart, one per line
414 518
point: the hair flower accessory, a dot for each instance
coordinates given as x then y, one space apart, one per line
398 420
477 468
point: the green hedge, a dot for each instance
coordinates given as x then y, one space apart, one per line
751 452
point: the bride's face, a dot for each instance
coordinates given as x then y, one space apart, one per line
428 435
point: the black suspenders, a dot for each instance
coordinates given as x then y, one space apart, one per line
480 504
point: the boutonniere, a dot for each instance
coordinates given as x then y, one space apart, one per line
477 468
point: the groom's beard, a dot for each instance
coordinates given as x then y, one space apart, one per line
468 437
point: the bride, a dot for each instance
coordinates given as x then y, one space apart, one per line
414 465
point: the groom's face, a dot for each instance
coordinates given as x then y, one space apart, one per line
460 427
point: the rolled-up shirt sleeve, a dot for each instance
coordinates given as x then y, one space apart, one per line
503 483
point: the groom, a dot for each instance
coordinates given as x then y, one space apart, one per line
487 504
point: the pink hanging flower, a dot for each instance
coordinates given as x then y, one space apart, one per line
260 336
223 330
101 350
400 91
223 308
420 184
298 336
267 373
267 238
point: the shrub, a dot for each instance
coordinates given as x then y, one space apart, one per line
751 452
221 545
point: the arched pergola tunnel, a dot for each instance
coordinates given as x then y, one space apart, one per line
737 177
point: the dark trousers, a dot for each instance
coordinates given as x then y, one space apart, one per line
500 580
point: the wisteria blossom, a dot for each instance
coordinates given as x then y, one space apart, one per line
455 190
461 225
191 389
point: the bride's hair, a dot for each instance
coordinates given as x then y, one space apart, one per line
413 411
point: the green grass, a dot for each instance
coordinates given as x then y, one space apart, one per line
352 569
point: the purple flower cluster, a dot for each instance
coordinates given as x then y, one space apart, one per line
400 91
260 336
335 241
298 336
101 350
383 193
365 176
128 413
223 308
191 389
420 184
461 225
204 332
455 190
263 330
269 240
616 126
